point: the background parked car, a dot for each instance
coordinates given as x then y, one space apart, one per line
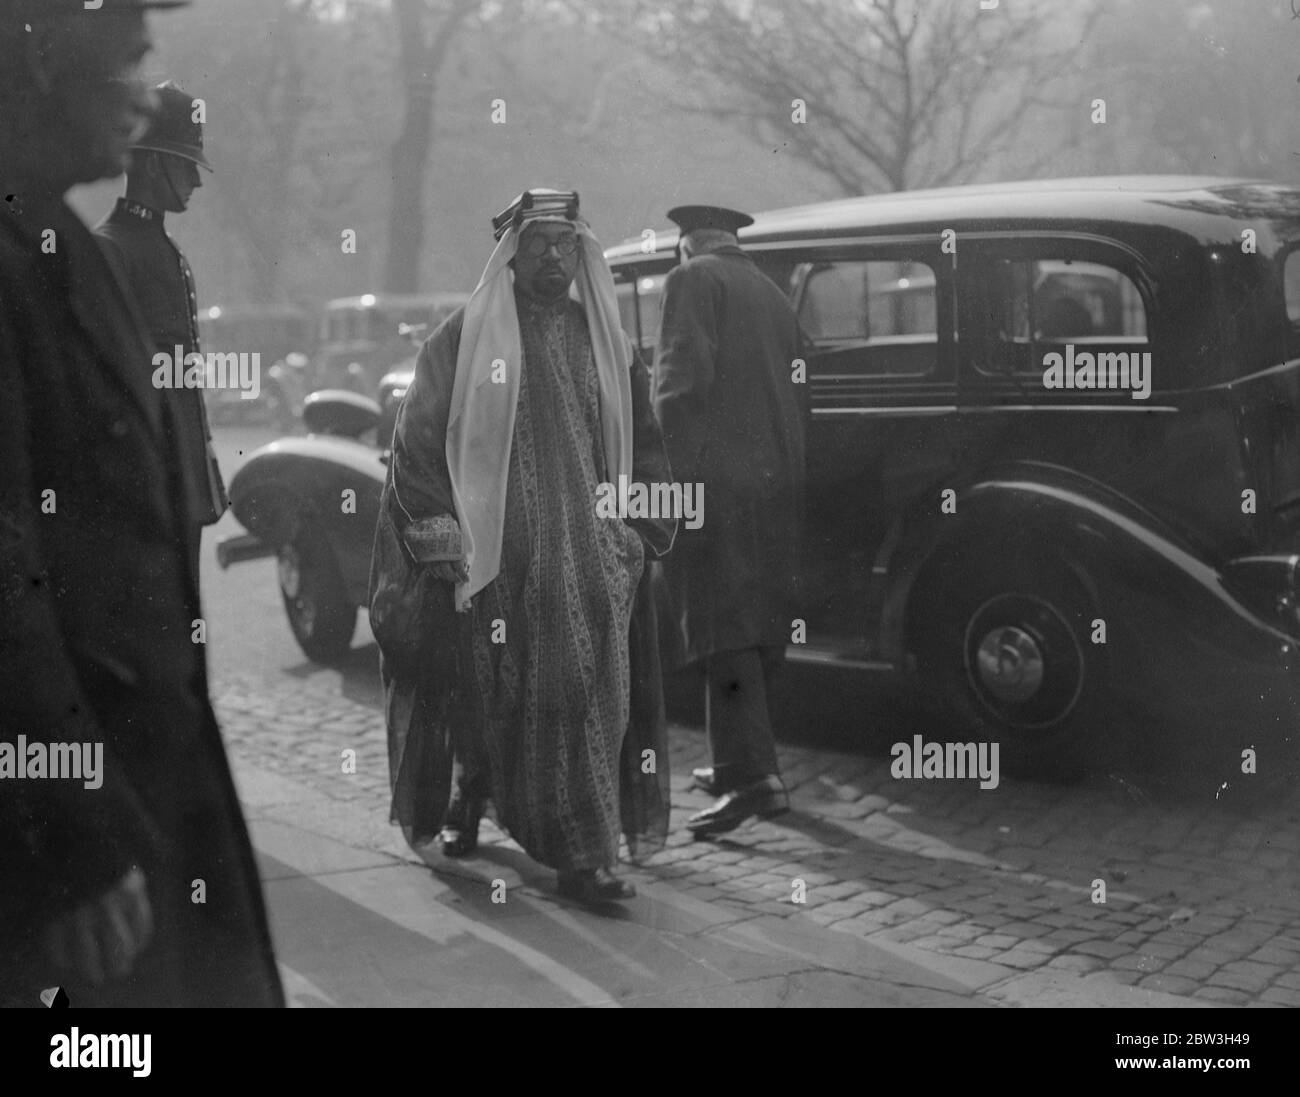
284 337
313 503
361 337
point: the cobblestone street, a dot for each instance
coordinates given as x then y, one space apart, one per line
994 886
974 896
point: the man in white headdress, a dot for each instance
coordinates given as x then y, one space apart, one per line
523 404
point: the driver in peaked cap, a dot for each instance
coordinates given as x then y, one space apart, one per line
732 421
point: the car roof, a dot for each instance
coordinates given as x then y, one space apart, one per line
398 300
246 312
1195 205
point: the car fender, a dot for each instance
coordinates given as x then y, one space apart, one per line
1158 595
294 481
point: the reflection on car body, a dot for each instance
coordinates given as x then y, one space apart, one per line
1086 578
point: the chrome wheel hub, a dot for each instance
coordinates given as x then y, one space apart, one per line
1024 661
1010 664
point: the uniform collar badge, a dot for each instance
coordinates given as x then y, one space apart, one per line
134 209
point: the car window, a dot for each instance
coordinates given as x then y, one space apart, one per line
650 290
1040 305
337 327
884 307
627 308
645 293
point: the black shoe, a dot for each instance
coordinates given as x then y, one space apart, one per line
595 885
764 798
459 836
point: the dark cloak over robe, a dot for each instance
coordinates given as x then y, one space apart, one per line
427 650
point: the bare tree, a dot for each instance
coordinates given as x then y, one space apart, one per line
275 111
425 32
897 93
258 104
1209 87
295 117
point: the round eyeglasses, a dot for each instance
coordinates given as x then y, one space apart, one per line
536 246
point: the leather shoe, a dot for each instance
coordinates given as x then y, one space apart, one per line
594 885
764 798
459 835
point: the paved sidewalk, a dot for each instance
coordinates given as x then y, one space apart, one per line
364 926
928 888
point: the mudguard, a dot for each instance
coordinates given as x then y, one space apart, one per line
340 412
1185 644
326 485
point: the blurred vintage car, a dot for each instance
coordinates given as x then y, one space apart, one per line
1088 576
362 338
283 337
282 496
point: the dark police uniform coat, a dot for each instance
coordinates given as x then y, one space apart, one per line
732 420
153 269
96 609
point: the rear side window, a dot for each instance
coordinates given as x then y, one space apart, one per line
379 326
1041 305
641 292
883 306
626 308
342 326
649 289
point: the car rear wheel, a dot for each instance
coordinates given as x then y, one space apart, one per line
321 615
1012 656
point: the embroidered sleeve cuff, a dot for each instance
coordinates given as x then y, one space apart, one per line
433 540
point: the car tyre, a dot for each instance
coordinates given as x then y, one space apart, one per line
1007 650
316 601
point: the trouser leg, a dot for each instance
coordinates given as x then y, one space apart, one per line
470 773
737 717
773 660
193 545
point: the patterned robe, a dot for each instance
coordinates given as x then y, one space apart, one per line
550 699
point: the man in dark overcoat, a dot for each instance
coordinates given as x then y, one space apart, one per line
728 399
127 873
163 177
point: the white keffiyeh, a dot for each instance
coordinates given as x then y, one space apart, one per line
485 393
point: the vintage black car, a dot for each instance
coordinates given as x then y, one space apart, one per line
362 338
1054 461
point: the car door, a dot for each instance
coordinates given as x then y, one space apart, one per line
1163 439
877 317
